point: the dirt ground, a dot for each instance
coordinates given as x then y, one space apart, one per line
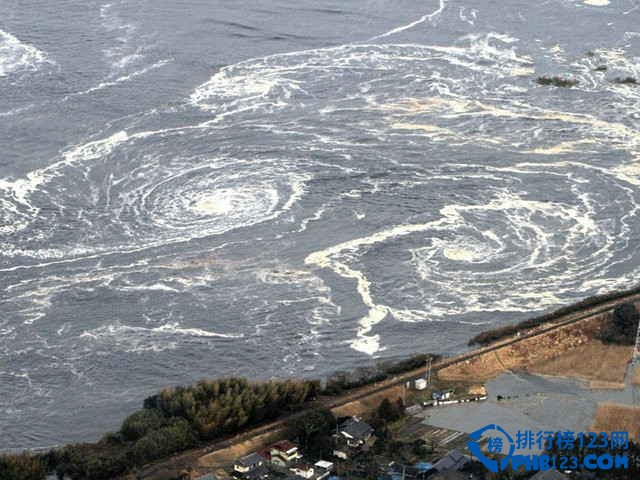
603 365
533 351
612 417
223 457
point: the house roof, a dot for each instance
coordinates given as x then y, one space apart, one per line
356 429
454 460
324 464
257 473
265 453
250 460
284 446
549 475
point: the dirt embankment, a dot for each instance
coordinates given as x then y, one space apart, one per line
225 456
569 351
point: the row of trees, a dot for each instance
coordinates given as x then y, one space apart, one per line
218 407
179 418
172 421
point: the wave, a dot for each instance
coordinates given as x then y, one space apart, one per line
17 56
445 139
133 339
510 253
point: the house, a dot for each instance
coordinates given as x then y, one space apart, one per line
356 432
248 463
284 453
455 460
549 475
323 469
302 469
351 436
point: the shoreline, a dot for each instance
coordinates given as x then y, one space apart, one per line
390 383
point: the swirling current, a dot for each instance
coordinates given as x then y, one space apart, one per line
291 188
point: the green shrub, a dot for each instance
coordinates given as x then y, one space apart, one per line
138 424
164 442
21 467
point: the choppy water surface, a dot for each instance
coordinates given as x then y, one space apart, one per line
276 188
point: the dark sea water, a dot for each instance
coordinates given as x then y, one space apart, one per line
200 188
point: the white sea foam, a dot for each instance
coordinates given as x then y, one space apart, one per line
425 18
136 339
468 93
17 56
472 246
122 79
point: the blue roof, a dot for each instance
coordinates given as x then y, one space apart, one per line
424 466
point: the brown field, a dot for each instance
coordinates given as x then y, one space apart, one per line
635 379
529 351
602 365
612 417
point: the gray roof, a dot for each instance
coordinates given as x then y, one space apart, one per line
454 460
257 473
549 475
357 429
250 460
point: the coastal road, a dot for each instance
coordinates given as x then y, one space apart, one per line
278 426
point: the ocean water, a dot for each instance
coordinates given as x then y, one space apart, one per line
277 188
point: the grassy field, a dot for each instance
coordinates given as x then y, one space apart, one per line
602 365
530 352
612 417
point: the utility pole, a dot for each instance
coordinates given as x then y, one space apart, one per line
429 370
